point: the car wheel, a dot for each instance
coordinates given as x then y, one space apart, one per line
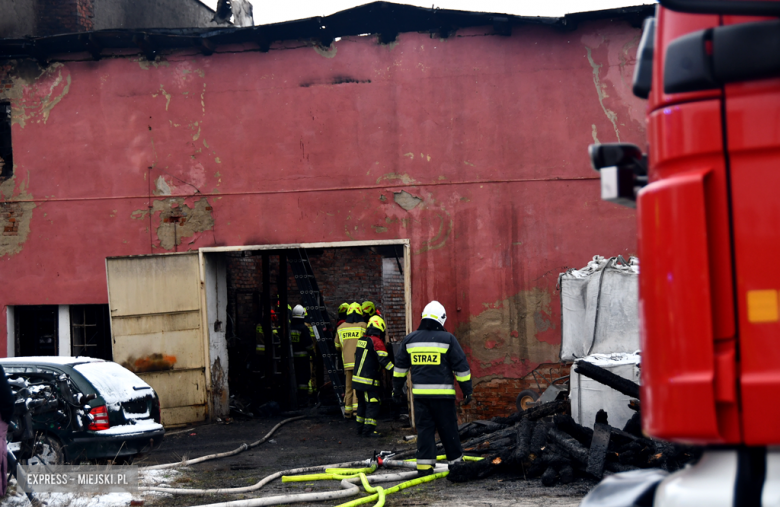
49 452
525 398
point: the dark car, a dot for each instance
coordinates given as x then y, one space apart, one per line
123 418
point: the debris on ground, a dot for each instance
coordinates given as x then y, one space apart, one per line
545 442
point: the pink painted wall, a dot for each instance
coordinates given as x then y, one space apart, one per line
489 132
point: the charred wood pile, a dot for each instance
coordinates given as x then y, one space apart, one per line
545 442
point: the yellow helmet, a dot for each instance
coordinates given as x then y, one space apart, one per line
377 322
343 307
354 308
369 308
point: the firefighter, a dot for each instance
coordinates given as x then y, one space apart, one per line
434 357
370 358
347 336
343 307
303 349
369 310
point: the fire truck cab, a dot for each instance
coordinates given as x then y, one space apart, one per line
707 193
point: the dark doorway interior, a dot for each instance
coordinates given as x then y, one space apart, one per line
90 331
36 330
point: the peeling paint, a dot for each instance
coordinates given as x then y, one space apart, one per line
34 92
406 200
379 228
601 92
405 178
146 64
595 134
161 187
178 220
502 339
328 52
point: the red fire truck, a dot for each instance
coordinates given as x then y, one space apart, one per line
707 193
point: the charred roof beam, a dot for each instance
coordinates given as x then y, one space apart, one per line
91 45
206 46
147 47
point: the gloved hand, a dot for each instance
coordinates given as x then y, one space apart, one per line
466 400
398 398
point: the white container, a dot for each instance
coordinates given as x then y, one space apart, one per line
588 396
599 308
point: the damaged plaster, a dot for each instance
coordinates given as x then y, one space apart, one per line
507 330
406 200
602 92
178 221
16 212
34 91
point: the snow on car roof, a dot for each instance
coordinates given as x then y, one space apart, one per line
59 360
114 382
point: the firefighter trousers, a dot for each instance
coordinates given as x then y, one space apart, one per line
432 415
367 411
302 373
350 399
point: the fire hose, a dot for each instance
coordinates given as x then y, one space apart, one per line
241 448
349 477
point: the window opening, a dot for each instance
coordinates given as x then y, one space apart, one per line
90 331
37 330
6 151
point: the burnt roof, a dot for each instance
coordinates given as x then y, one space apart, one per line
385 19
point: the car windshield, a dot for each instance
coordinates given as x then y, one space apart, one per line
113 382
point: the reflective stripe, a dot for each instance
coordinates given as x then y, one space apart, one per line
434 391
389 367
458 460
423 345
300 354
463 373
374 400
362 360
381 353
363 380
425 462
399 372
446 389
372 422
433 386
359 419
349 366
463 378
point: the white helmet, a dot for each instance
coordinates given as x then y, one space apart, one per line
434 310
298 312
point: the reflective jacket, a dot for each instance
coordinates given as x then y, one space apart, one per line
300 336
436 361
346 340
370 357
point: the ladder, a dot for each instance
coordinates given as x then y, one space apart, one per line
318 317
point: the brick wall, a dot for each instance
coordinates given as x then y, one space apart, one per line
347 275
10 213
63 16
343 275
497 397
393 300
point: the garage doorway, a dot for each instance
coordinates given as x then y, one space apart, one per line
248 290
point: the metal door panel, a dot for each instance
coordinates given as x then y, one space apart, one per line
156 329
